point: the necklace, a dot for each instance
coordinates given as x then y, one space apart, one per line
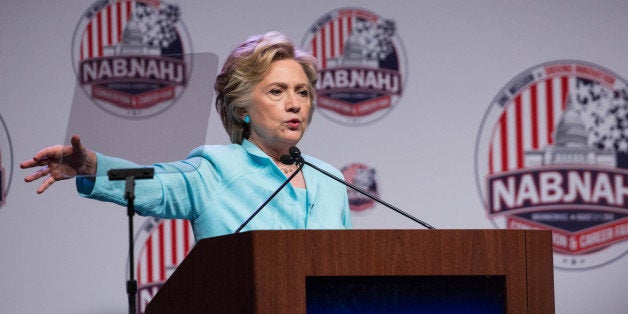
287 170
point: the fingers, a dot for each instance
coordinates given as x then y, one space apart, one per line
28 164
51 159
39 174
53 153
76 143
43 157
34 162
45 185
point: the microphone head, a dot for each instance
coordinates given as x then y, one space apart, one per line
295 152
286 159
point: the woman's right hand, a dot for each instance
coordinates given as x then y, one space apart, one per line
60 163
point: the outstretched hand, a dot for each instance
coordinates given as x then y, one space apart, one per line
61 162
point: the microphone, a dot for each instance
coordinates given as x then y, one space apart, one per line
295 157
270 197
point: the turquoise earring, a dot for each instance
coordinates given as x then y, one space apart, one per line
247 119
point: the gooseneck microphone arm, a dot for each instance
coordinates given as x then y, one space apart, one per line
295 157
269 198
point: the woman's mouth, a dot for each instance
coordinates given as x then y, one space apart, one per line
293 124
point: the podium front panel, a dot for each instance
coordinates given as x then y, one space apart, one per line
268 271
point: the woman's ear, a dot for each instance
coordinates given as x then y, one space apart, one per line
241 112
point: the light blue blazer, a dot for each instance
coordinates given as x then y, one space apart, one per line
219 186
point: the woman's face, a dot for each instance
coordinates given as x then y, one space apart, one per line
281 106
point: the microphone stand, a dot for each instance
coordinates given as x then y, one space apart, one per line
269 198
130 175
295 156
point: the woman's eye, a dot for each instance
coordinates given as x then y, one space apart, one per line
304 93
275 92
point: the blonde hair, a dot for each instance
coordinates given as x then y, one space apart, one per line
245 67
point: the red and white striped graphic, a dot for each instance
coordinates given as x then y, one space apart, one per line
528 123
329 41
99 44
105 29
165 248
523 118
361 68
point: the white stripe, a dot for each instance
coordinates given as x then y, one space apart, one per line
512 144
179 241
557 102
103 28
526 120
168 245
191 241
83 45
114 24
345 30
154 243
541 113
327 53
142 265
94 41
497 149
336 42
319 46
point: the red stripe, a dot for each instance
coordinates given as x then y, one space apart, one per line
119 20
504 140
128 10
81 53
90 50
162 253
491 169
341 38
332 35
535 122
138 270
549 107
323 44
519 131
109 27
99 32
314 50
149 259
564 90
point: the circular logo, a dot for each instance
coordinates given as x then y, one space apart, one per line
132 58
362 61
6 162
162 245
552 153
364 178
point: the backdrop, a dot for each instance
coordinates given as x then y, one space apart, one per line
466 114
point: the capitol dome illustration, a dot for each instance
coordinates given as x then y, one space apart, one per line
132 43
570 145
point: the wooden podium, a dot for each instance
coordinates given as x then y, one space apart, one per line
266 271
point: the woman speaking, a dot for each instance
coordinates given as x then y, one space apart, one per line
265 95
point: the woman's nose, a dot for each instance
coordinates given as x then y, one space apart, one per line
292 103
